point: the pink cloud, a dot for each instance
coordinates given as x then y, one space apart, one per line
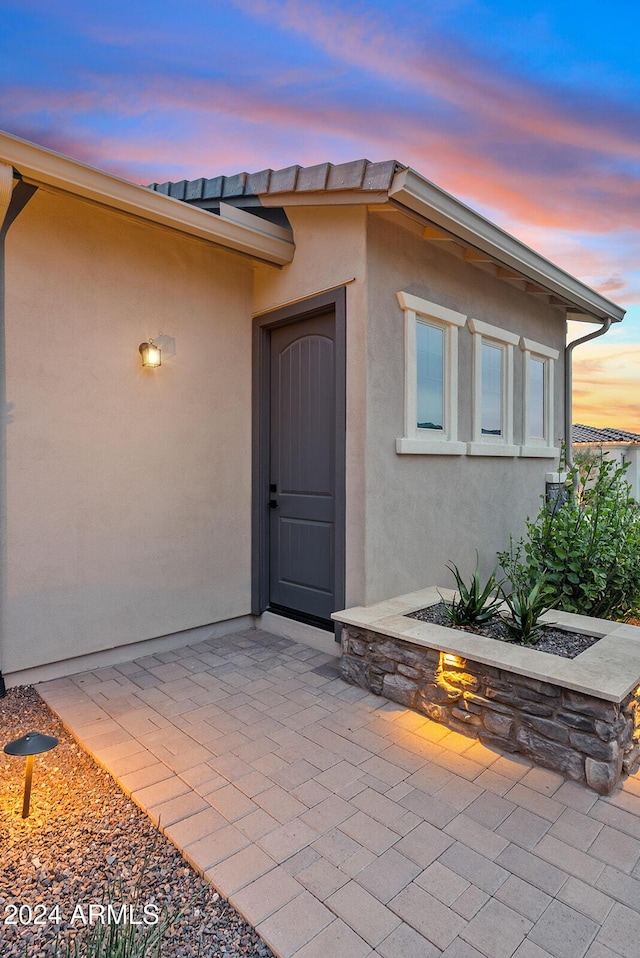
458 76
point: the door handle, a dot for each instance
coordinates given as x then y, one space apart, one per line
273 503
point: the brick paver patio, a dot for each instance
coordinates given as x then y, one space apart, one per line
342 825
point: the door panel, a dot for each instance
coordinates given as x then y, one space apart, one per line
302 466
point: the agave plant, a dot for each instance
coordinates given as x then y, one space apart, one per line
475 605
526 606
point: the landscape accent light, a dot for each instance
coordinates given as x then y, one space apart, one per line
33 743
151 354
447 658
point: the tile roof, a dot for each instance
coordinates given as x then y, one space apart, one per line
361 175
580 433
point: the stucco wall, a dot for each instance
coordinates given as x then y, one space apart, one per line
128 489
619 453
331 252
423 511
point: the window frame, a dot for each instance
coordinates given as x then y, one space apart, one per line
535 447
483 444
417 441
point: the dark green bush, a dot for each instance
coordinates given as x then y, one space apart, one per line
585 552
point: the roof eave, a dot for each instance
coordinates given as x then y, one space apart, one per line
49 170
425 198
605 443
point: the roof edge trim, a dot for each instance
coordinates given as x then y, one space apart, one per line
423 197
45 168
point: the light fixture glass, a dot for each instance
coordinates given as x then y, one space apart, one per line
447 658
151 354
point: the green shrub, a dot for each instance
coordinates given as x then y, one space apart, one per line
116 941
584 552
475 604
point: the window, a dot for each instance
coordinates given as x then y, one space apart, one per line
492 391
492 376
539 364
431 378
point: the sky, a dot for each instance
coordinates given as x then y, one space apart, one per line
527 112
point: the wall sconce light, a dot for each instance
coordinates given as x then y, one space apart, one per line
33 743
151 354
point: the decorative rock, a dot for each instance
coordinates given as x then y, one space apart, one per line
601 776
523 693
631 761
548 727
439 694
406 655
584 722
608 731
409 671
528 688
456 726
484 703
435 712
498 724
550 754
356 646
464 680
466 717
354 671
400 689
507 698
382 665
496 741
595 747
350 632
577 702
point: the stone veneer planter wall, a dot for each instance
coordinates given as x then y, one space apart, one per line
580 717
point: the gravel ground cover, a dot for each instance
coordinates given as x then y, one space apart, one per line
85 843
556 641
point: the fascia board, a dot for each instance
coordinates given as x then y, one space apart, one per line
610 444
425 198
50 170
324 198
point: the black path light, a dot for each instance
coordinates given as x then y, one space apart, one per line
33 743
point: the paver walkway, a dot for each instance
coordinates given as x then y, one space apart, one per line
342 825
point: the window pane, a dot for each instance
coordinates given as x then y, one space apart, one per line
491 390
430 370
536 398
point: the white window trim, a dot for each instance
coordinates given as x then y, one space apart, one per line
429 441
536 447
483 445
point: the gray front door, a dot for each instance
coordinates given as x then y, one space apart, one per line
302 467
301 492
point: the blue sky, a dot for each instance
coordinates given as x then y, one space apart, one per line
530 113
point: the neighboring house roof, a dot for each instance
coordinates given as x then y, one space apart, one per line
580 433
389 182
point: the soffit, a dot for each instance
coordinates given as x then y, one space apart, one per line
483 244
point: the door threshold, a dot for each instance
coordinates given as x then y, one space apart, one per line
319 639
